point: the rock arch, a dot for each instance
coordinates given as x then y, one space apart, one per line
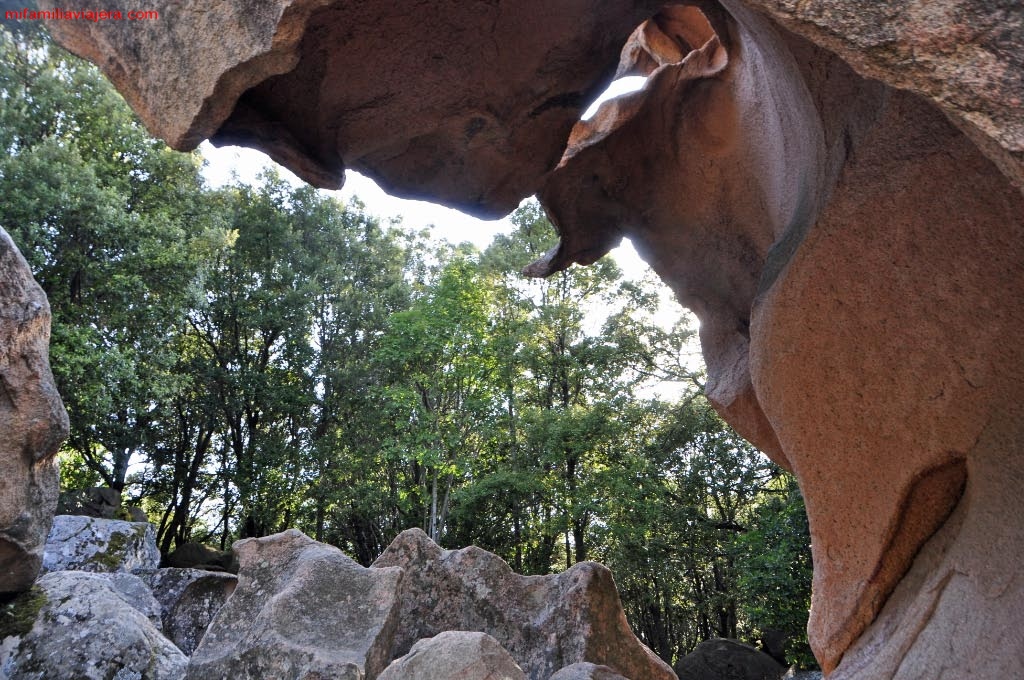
833 186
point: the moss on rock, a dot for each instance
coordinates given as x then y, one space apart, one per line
19 615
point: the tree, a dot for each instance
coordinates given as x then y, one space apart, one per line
442 385
105 215
774 571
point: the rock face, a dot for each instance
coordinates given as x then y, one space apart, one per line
301 609
137 593
586 671
917 357
853 247
545 622
477 128
85 628
32 420
721 659
967 56
80 543
455 655
188 600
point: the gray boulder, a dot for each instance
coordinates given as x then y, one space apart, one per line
32 421
188 601
138 594
301 610
79 626
455 655
545 622
722 659
78 543
587 671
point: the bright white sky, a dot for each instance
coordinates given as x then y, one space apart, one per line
445 223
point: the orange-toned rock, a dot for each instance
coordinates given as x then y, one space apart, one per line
966 56
855 262
855 257
887 356
468 103
33 423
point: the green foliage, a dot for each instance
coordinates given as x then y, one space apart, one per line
774 560
19 615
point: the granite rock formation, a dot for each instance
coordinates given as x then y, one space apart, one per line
301 609
455 655
84 627
80 543
475 107
966 56
545 622
852 245
32 420
188 600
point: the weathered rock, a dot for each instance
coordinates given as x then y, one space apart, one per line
301 609
78 543
455 655
586 671
854 257
545 622
85 628
812 265
32 420
198 556
967 56
475 108
188 601
136 592
915 268
721 659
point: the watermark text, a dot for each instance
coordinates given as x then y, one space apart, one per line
58 14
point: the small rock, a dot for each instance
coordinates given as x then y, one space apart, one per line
586 671
78 543
455 655
722 659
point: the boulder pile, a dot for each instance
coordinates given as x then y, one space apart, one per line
300 609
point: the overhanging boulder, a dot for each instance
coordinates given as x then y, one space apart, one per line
853 246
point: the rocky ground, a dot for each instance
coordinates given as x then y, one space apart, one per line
301 609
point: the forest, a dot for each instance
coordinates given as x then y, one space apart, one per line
241 360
